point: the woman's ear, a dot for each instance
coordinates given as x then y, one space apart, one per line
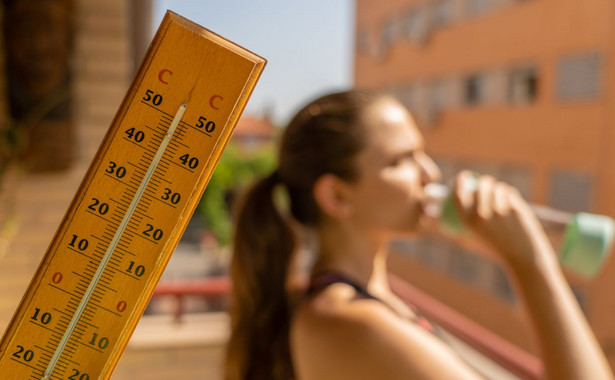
331 195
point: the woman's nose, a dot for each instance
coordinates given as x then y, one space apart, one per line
430 172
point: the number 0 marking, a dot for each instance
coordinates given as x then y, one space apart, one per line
121 306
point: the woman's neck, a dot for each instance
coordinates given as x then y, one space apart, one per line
360 256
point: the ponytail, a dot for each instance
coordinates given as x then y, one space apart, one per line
260 310
324 137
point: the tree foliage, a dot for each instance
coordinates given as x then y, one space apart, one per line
235 170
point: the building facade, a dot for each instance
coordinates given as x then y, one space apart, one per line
519 89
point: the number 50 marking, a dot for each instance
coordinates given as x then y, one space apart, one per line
208 125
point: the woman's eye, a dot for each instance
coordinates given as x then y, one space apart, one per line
395 162
401 160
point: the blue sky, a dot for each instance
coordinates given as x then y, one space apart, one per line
308 44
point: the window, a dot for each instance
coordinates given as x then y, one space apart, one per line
410 22
578 77
475 87
437 101
363 45
438 94
429 252
442 13
415 25
465 266
522 85
477 7
518 177
405 247
433 253
390 30
501 286
571 191
408 95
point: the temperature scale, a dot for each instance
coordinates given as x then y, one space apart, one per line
132 207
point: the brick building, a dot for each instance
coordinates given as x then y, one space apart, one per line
522 90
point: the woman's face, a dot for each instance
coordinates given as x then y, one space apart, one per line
393 170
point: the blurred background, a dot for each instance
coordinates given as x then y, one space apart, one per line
520 89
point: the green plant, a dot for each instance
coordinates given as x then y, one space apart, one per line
235 170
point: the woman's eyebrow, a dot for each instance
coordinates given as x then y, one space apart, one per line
411 149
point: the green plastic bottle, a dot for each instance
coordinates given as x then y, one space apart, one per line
586 242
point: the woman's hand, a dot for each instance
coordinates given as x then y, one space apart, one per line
499 215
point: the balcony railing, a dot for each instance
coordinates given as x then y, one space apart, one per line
510 357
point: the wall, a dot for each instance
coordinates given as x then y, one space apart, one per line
536 139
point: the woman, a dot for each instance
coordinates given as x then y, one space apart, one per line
354 169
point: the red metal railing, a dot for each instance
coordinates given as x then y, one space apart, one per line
208 288
507 355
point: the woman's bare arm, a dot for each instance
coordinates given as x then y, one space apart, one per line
498 214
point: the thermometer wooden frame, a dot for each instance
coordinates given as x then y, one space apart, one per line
132 206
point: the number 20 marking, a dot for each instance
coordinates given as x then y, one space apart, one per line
22 353
84 376
155 233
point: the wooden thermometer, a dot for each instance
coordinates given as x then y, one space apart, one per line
132 207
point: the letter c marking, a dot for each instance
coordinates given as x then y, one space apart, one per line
161 75
212 101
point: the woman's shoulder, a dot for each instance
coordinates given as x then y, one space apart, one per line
338 303
337 334
323 327
339 312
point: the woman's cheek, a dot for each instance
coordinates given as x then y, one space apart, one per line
404 179
399 194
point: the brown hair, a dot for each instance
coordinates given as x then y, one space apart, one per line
324 137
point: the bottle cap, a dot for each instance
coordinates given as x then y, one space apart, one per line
587 242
